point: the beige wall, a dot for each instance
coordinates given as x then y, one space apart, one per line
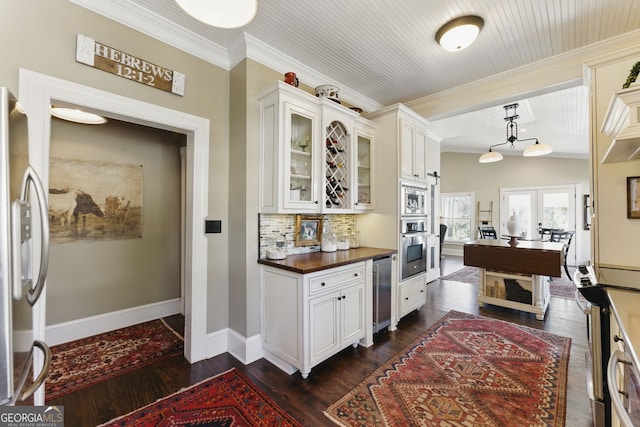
41 36
89 278
461 172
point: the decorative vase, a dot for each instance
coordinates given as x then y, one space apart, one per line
514 225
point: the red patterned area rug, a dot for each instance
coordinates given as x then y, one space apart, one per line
465 370
88 361
558 287
226 400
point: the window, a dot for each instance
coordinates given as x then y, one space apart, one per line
457 214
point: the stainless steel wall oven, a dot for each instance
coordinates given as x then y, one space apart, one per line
413 247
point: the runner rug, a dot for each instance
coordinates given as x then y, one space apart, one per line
558 287
226 400
88 361
465 370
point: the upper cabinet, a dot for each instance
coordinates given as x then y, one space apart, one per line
289 135
309 154
622 123
364 167
413 148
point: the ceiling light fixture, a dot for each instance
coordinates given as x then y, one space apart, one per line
459 33
536 149
77 116
221 13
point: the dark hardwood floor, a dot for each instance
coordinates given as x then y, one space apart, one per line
306 399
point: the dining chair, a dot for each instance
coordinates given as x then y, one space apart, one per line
564 237
488 233
545 233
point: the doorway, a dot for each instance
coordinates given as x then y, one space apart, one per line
38 92
544 207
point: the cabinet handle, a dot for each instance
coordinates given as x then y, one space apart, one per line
422 291
355 274
316 202
406 298
344 297
339 298
322 284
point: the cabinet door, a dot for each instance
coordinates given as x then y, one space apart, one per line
420 154
352 307
300 186
407 137
324 340
363 192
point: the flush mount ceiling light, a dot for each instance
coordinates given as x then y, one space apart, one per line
459 33
77 116
536 149
221 13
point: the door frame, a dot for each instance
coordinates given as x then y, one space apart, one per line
37 92
575 188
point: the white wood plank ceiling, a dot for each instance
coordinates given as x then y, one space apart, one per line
385 50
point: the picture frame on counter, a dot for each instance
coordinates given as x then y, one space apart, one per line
633 197
308 231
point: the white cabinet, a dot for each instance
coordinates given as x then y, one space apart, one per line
307 318
289 148
337 127
309 153
411 295
364 169
413 149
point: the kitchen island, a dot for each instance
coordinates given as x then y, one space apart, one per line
515 275
316 304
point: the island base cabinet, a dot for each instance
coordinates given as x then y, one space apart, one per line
308 318
520 292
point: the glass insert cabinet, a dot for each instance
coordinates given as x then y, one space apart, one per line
315 154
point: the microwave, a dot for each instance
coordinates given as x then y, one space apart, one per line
414 200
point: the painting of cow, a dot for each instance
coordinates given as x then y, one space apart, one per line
84 206
62 205
94 200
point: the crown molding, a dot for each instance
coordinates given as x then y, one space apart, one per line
155 26
563 70
245 46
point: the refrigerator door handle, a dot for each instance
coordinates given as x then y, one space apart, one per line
20 394
30 177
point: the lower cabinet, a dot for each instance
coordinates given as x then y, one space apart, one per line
308 318
411 295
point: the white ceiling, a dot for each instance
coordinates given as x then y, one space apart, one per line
380 52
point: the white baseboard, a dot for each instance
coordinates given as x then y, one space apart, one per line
88 326
246 350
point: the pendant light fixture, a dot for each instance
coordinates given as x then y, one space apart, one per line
221 13
459 33
536 149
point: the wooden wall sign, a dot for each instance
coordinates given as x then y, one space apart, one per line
114 61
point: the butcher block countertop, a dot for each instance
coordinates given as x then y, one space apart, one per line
317 261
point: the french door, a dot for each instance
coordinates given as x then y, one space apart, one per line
546 207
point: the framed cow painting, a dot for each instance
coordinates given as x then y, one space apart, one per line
91 201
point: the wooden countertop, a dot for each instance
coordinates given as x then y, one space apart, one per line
522 244
527 257
317 261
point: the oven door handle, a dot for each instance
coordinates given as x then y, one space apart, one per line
617 357
586 308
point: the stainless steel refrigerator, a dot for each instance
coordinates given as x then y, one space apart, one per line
22 276
381 293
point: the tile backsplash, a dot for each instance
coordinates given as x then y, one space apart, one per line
273 225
